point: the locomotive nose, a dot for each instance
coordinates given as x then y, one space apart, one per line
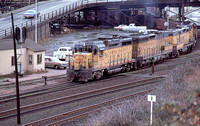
81 61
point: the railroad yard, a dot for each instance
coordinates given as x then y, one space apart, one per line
68 103
100 63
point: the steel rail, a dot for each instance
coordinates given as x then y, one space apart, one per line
82 112
50 89
145 70
27 82
175 62
76 97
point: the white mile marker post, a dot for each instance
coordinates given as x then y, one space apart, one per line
151 98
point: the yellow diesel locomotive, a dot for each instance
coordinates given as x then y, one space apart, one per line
93 59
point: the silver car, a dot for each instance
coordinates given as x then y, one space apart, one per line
31 14
54 62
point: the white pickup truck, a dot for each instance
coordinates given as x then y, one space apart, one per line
133 28
62 52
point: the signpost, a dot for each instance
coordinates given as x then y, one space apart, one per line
151 98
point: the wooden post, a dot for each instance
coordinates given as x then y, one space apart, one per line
153 65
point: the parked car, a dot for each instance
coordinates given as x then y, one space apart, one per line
120 27
54 62
62 52
56 26
133 28
31 14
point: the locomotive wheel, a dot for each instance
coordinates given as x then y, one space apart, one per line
74 80
85 81
189 50
192 48
128 68
123 69
178 54
98 77
93 77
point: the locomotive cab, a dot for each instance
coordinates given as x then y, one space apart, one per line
84 57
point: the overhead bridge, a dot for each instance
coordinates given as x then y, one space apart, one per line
102 13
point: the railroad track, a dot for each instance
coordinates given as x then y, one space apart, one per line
44 90
31 82
60 86
83 112
54 88
172 63
77 97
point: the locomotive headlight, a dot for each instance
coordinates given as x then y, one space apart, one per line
84 57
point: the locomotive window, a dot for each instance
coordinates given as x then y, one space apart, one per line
101 53
143 39
113 45
75 50
82 49
63 49
126 43
95 51
90 50
152 37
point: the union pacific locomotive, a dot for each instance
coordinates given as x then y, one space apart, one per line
93 59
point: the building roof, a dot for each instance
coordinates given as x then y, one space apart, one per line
7 44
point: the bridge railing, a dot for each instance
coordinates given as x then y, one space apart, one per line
42 18
55 14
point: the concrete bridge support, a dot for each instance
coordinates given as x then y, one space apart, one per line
43 31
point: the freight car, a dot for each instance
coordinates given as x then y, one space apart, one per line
93 59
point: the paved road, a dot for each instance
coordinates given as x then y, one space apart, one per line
43 8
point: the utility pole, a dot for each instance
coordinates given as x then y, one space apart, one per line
153 65
36 41
16 73
3 5
21 68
